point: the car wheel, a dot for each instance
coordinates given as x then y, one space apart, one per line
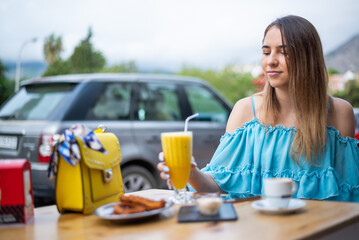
136 178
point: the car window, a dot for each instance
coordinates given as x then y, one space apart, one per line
36 102
158 102
203 101
113 103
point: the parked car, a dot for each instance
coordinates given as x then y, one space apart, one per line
356 118
136 107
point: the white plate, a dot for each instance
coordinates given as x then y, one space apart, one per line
294 205
105 212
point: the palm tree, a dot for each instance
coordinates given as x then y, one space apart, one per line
52 48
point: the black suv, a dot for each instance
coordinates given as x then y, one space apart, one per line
135 107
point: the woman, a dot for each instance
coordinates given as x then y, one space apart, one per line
291 129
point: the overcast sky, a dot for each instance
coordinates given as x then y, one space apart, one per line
166 34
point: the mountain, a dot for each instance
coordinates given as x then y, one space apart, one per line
345 57
32 69
29 69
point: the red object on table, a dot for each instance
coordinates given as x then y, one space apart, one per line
16 196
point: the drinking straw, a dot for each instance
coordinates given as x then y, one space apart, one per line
187 120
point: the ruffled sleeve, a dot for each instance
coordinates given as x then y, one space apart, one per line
255 152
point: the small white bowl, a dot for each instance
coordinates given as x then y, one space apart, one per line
208 204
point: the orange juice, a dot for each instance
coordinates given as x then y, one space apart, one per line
177 147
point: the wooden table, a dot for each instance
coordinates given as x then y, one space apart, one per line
319 219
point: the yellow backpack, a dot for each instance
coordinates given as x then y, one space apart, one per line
96 180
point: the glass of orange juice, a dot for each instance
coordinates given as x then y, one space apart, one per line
177 148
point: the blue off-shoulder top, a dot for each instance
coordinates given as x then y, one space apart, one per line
257 151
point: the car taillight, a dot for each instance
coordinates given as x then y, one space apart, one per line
45 147
357 135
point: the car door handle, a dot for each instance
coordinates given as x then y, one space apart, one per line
153 139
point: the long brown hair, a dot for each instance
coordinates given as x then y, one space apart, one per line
308 81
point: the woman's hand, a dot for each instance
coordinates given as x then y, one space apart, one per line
165 171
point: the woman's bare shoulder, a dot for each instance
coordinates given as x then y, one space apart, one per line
241 113
343 117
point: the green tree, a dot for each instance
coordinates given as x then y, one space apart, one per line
6 86
85 59
57 68
126 67
52 48
350 93
332 71
231 84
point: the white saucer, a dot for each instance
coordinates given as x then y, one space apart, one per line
294 205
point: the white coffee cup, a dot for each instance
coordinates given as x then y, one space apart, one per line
278 191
